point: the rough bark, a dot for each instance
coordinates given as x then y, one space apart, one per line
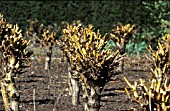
121 63
9 93
121 66
34 39
48 59
14 105
13 95
92 102
75 91
5 96
73 87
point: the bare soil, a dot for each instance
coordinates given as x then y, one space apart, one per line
51 89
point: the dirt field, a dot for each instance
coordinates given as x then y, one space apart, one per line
50 88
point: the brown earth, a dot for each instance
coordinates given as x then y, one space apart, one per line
51 87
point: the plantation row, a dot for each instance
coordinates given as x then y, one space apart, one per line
92 59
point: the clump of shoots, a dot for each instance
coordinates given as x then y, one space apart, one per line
73 78
34 29
13 60
90 61
121 36
46 36
155 95
47 39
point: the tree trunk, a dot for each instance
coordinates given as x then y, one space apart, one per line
122 48
9 93
48 59
5 96
34 39
75 91
73 87
14 105
13 97
92 102
121 66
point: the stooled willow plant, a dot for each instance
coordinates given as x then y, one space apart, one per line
13 56
34 29
121 36
73 78
47 39
90 62
155 95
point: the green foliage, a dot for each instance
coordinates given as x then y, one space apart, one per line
159 18
152 16
110 45
102 14
138 47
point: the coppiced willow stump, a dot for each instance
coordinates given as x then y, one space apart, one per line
121 36
46 36
73 78
47 39
155 95
34 30
13 56
91 62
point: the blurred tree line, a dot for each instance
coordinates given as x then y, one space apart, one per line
152 16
